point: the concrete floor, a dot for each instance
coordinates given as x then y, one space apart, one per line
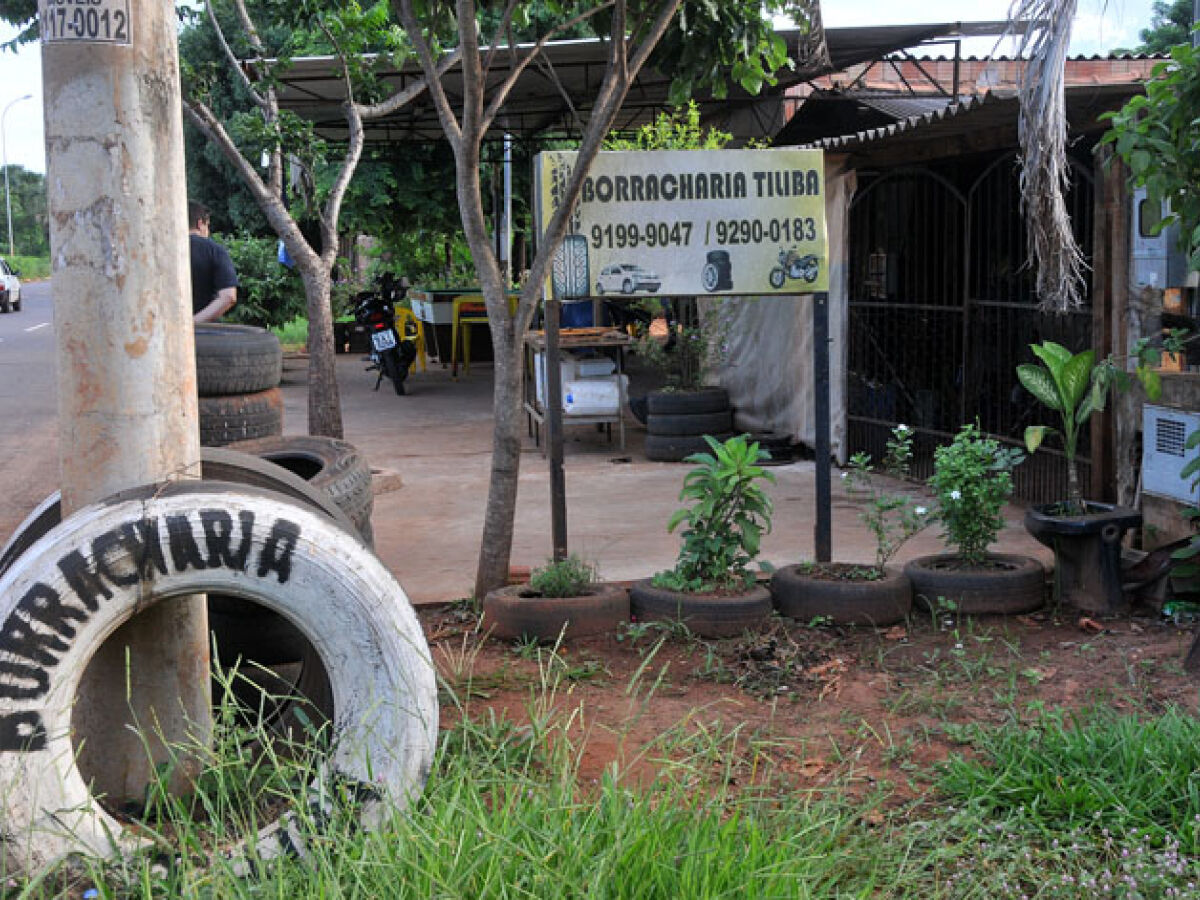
432 449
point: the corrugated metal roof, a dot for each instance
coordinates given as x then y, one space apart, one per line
905 107
997 108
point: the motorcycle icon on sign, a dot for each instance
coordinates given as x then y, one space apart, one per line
793 265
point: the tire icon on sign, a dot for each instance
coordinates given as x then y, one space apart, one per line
717 274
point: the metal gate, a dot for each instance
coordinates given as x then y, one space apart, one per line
942 309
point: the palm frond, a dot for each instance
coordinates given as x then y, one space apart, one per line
1042 132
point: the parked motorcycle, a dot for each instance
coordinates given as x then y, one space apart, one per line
793 265
391 352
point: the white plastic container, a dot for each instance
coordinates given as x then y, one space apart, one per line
592 396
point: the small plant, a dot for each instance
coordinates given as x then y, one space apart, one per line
570 577
695 346
1075 385
724 524
972 480
892 518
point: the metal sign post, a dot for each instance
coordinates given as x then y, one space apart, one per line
822 522
126 360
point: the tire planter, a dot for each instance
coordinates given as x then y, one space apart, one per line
295 559
708 615
1011 584
684 403
690 423
1087 553
334 467
236 359
804 597
516 611
675 448
240 417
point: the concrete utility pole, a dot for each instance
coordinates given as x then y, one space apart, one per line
126 357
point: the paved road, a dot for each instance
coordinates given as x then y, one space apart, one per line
28 407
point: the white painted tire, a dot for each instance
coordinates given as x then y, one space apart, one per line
73 588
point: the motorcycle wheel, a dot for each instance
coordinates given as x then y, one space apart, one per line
392 368
776 278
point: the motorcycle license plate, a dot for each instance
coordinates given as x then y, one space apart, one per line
384 340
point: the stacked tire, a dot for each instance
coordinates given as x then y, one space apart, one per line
677 421
238 369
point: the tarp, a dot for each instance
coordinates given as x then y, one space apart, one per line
769 366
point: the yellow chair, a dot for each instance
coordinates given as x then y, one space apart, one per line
466 310
404 318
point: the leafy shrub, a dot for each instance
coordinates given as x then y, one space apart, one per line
892 518
270 293
728 515
972 480
570 577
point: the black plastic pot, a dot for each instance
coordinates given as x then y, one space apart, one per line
1087 552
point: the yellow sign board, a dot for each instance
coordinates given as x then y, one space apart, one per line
689 222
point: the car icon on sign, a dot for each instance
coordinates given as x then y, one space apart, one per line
627 279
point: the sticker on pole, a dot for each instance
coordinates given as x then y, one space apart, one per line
89 21
687 222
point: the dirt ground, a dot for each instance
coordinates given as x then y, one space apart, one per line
807 705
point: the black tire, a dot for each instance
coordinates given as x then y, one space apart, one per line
708 615
240 417
389 360
1012 584
16 305
776 278
5 306
800 596
679 403
676 448
599 289
510 613
332 466
710 277
691 423
236 359
627 286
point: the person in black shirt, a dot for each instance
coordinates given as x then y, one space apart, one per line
214 281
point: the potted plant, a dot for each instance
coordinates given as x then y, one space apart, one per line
856 593
562 599
1084 535
711 587
972 480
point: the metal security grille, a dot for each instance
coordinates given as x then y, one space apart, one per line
1169 436
942 310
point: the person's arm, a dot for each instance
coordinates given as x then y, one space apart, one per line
221 304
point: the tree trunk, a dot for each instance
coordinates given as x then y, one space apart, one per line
496 545
324 402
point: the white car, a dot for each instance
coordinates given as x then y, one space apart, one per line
627 279
10 289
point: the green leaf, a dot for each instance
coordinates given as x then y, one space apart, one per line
1034 435
1151 382
1039 383
1076 377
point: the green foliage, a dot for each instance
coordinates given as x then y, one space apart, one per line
30 218
728 515
698 345
972 480
1098 771
892 518
30 268
1170 24
570 577
1075 385
270 294
677 130
1154 134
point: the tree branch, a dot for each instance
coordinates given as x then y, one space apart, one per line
437 93
234 62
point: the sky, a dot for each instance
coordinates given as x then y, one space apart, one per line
1099 26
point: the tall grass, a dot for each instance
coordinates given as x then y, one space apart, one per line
508 812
